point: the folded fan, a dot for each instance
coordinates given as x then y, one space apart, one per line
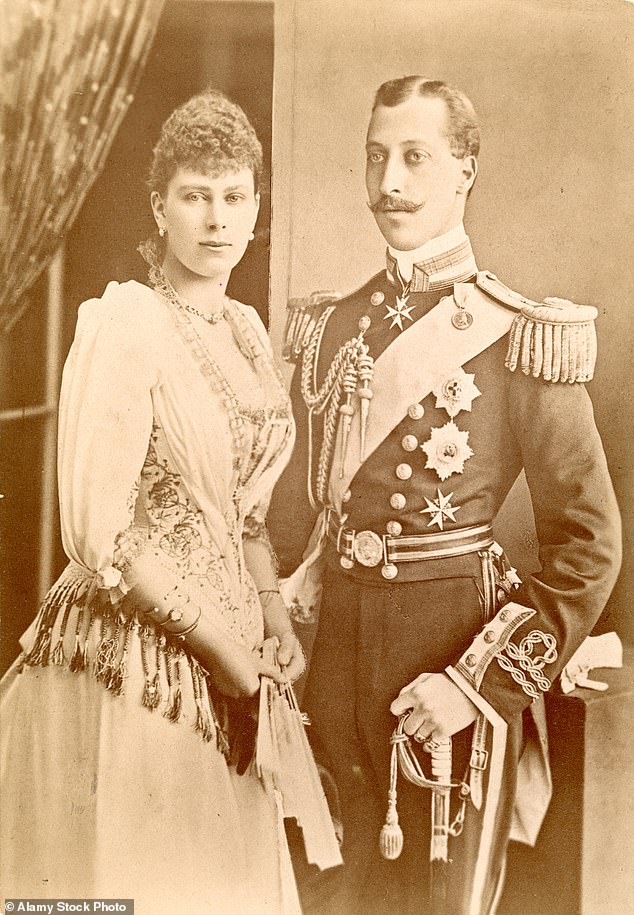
285 762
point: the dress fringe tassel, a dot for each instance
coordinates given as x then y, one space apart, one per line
111 655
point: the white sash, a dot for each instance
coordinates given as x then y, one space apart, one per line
430 351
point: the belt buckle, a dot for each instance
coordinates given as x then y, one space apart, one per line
367 548
479 759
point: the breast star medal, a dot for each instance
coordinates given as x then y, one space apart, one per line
456 393
447 450
440 510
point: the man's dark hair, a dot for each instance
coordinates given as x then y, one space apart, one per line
464 130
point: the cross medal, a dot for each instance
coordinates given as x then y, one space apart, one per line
401 309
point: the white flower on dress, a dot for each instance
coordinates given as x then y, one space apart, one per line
447 450
456 393
109 577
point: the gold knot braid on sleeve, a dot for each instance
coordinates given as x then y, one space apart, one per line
554 340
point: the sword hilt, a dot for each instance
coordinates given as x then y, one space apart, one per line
440 751
441 770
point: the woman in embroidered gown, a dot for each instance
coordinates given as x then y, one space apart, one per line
174 426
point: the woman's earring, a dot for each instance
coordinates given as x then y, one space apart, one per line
251 236
162 231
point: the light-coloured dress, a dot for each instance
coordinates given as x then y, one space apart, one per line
114 742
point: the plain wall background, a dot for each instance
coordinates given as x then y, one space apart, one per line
551 211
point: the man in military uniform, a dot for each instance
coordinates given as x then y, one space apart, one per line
419 399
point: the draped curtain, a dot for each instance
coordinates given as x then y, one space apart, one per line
70 68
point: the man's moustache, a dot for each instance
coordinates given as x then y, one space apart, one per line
390 204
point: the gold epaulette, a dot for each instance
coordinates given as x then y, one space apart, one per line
301 317
554 339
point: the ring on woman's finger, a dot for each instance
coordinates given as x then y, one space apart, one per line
419 737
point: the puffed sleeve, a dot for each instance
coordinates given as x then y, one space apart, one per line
105 421
520 653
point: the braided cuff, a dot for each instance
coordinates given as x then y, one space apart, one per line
517 659
491 641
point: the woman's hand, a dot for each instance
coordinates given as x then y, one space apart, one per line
290 655
236 670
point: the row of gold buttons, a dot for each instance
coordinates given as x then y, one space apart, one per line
404 471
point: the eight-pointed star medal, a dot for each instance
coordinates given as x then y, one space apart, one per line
398 312
440 509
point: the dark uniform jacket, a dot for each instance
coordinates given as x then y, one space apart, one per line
446 464
515 422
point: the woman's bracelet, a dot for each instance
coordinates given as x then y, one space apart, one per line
267 597
181 633
175 615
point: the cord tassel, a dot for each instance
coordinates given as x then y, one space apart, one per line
174 698
106 653
391 838
58 657
78 659
39 654
152 686
203 721
119 672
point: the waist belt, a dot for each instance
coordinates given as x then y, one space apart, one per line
371 549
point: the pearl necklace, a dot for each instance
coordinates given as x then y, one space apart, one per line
212 318
247 339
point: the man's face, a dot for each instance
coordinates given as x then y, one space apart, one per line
416 188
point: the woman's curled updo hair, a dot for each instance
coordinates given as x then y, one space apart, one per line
209 134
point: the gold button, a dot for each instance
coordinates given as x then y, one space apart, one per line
398 501
488 636
470 660
346 563
389 571
416 411
403 471
394 528
501 594
346 496
409 443
377 298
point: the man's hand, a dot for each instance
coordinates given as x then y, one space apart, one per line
290 655
236 671
437 707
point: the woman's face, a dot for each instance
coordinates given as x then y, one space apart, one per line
208 219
